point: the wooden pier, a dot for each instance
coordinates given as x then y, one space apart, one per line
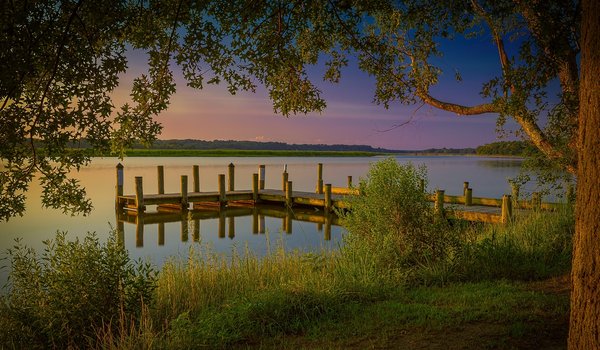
325 198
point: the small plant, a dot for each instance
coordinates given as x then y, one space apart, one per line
65 296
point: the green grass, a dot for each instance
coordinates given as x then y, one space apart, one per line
242 153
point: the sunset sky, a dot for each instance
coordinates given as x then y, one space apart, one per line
350 117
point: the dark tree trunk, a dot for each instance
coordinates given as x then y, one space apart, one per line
584 332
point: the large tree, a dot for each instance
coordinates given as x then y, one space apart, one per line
584 332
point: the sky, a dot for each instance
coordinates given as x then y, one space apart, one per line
350 117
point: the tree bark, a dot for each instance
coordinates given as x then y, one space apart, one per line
584 332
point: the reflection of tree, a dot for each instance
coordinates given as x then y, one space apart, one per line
500 163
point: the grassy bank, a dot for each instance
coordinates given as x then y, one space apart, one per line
242 153
404 277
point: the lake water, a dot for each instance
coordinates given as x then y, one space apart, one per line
487 176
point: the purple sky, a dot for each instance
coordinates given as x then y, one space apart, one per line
350 116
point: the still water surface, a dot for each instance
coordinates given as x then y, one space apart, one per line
487 176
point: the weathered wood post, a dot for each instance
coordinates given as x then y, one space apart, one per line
469 197
320 178
536 200
514 187
465 187
231 227
439 202
349 181
289 200
327 198
222 196
139 194
506 208
184 192
196 178
284 177
261 177
161 233
231 177
119 186
160 170
255 187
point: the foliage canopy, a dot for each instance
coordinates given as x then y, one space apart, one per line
61 61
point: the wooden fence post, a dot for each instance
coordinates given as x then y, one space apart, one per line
119 186
254 187
506 208
439 202
320 178
139 194
261 176
515 194
349 181
196 178
327 198
161 179
222 196
465 187
184 192
285 180
469 197
289 200
231 177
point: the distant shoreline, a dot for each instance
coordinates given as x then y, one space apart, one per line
289 153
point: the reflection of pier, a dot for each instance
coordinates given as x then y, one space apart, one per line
226 217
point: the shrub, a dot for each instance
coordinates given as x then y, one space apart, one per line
65 296
392 227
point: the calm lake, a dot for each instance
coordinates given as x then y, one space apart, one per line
487 176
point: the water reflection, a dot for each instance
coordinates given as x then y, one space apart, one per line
191 220
500 163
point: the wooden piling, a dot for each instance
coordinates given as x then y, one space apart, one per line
349 181
139 193
287 222
515 194
255 221
262 228
506 208
139 231
439 202
288 195
261 177
320 178
255 185
160 170
222 196
196 178
465 187
119 186
327 233
327 197
231 177
284 177
184 192
469 197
